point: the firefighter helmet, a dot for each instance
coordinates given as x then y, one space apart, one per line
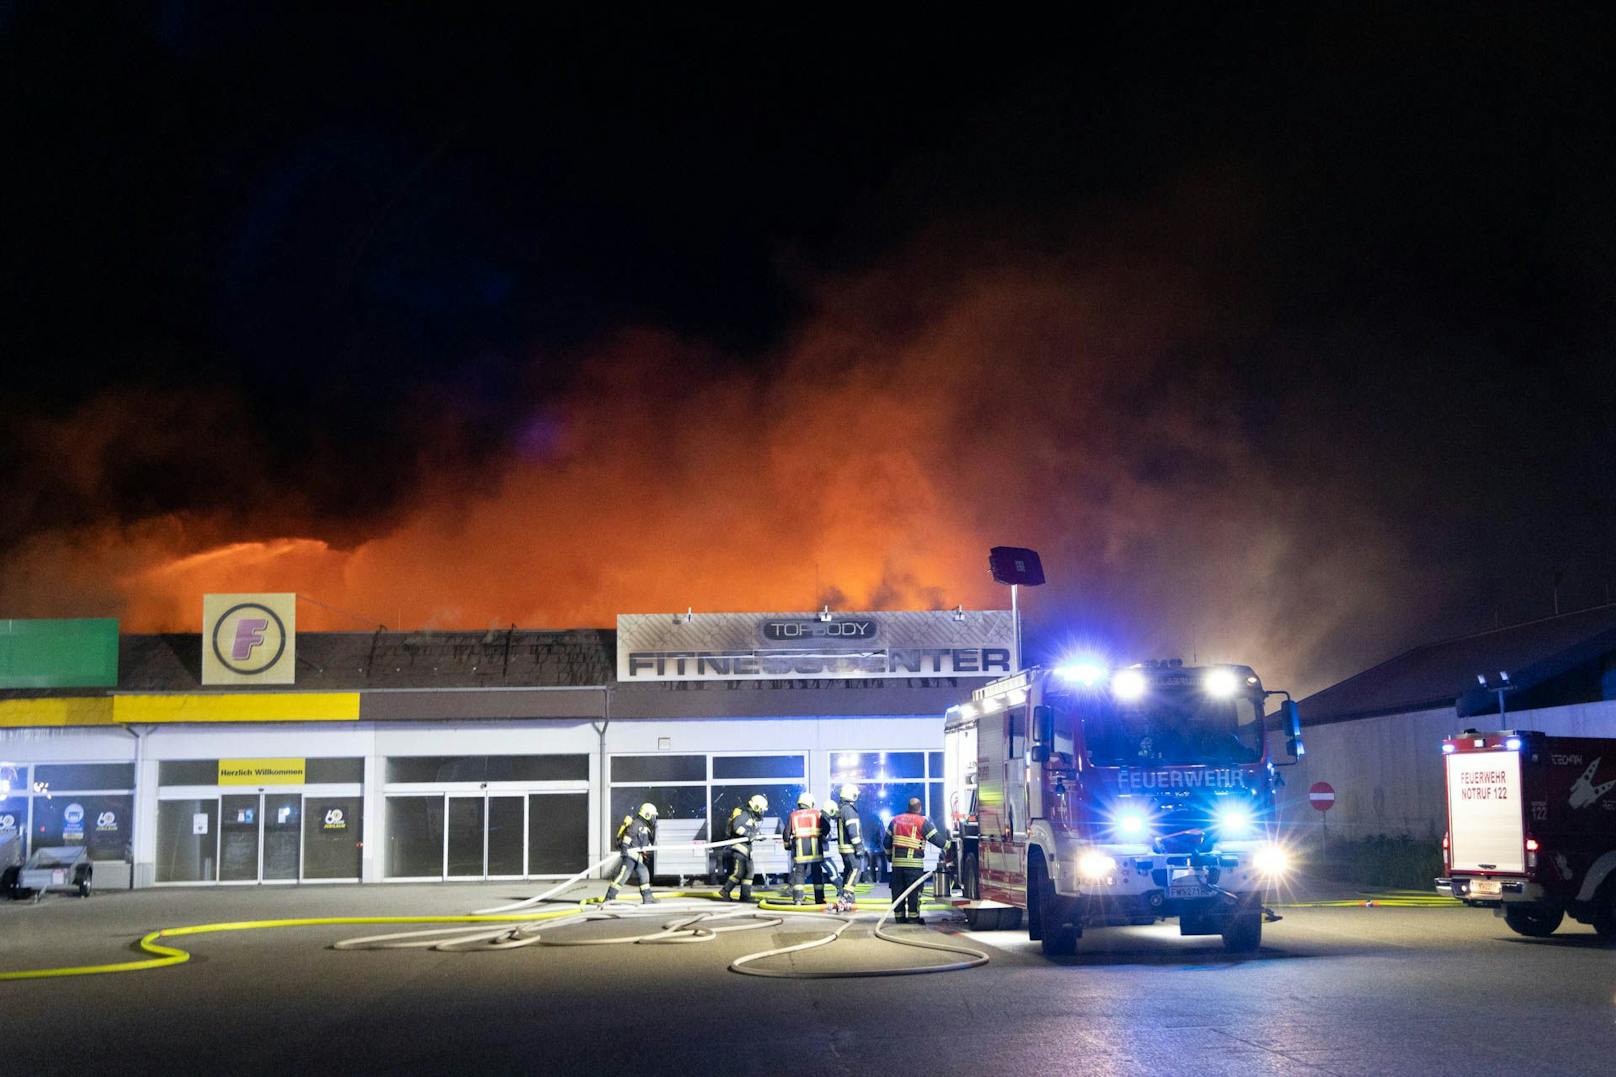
758 804
805 800
830 808
849 793
648 811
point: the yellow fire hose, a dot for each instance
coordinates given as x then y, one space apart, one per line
699 928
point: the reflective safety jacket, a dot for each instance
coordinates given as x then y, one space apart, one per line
634 834
743 824
805 833
906 838
849 831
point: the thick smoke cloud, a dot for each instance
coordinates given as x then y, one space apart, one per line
919 416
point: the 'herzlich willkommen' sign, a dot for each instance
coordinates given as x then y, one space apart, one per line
780 646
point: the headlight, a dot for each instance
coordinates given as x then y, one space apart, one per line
1131 824
1220 683
1096 867
1271 861
1234 821
1128 685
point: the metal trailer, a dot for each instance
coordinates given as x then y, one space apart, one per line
56 868
10 859
1532 828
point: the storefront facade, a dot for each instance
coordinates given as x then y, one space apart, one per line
410 773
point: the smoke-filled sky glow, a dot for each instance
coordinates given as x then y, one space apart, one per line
1292 356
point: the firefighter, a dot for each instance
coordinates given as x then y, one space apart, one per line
832 813
849 838
635 834
805 832
905 842
743 823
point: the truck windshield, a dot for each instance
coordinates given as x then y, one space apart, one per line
1172 726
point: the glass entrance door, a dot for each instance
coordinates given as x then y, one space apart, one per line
260 837
238 838
283 836
501 835
463 852
507 823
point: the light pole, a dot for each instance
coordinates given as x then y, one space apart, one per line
1500 687
1016 566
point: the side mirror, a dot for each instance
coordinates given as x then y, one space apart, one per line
1043 727
1040 753
1291 724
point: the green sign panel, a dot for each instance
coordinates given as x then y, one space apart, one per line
76 653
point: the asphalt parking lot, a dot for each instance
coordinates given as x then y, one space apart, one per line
1334 990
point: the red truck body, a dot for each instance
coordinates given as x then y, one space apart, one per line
1532 828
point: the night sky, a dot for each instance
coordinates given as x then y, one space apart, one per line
1285 336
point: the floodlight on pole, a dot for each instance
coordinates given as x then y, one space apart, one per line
1016 566
1503 685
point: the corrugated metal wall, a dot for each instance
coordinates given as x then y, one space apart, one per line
1387 772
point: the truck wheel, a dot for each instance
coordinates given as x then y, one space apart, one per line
1058 939
1243 933
8 882
1535 923
970 885
1604 920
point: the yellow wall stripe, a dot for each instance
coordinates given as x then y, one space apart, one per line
238 707
169 709
87 710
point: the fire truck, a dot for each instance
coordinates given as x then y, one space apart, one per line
1082 796
1532 828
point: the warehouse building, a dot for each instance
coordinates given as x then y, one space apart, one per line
253 754
1375 738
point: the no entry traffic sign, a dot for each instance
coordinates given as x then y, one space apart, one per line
1321 795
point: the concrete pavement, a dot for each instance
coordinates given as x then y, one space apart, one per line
1334 991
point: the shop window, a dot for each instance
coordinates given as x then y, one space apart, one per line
538 768
188 772
675 803
488 768
877 767
934 764
334 771
759 766
331 837
659 768
68 776
14 820
187 839
437 768
782 798
557 833
96 821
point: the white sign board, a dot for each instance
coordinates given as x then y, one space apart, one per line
1484 811
790 646
199 822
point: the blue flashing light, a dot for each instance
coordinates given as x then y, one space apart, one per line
1513 743
1449 749
1131 824
1234 820
1084 671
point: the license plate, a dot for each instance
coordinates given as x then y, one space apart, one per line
58 877
1486 888
1186 888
